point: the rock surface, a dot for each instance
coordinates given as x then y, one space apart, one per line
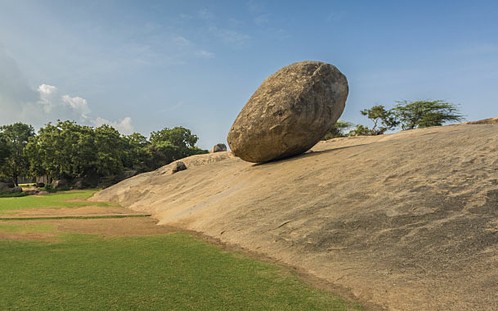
219 148
289 112
9 188
406 221
178 166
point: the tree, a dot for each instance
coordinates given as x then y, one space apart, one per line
109 151
16 138
383 119
361 130
89 155
136 152
4 151
419 114
337 129
168 145
62 151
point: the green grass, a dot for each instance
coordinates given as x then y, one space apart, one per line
74 198
160 272
9 227
13 195
164 272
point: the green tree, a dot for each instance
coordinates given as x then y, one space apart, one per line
65 150
383 119
136 152
361 130
16 137
109 149
73 152
4 151
337 129
168 145
419 114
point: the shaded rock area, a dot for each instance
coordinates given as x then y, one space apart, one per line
7 187
289 112
406 221
177 167
218 148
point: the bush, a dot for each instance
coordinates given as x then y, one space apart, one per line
49 188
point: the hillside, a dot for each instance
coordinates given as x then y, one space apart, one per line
406 221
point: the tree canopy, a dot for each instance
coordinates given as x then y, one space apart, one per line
168 145
14 139
338 129
407 115
69 151
4 150
383 119
419 114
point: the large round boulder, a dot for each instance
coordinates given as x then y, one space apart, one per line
289 112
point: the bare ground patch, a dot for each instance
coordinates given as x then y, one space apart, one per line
116 222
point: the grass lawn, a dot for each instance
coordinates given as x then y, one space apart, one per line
174 271
166 272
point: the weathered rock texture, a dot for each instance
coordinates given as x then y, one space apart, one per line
178 166
406 221
9 188
289 113
219 148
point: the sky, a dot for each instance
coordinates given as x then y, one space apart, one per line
142 66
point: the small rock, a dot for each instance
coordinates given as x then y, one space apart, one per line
219 148
178 166
16 189
60 184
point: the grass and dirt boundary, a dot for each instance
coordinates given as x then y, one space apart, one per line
59 251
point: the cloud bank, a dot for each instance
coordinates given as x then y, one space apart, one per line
21 103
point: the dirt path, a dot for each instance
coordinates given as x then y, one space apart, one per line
102 221
112 222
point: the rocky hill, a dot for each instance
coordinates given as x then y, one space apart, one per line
406 221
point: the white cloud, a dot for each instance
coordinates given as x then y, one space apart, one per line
19 102
49 107
124 126
46 91
78 104
47 95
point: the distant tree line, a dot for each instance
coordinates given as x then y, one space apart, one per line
87 155
405 115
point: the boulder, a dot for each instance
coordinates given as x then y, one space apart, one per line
60 184
8 187
289 112
16 189
219 148
79 184
178 166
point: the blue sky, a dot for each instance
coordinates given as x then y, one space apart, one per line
145 65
